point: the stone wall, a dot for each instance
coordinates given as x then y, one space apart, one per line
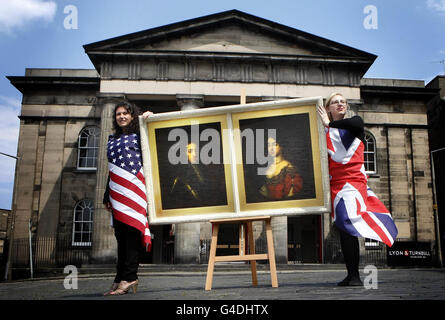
403 177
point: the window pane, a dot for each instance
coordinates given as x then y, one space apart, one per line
82 141
82 163
91 142
86 227
88 215
96 140
77 237
78 214
90 153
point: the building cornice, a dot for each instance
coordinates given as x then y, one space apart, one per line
22 83
421 93
170 54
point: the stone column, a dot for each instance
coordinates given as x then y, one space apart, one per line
187 243
190 101
187 235
104 243
279 232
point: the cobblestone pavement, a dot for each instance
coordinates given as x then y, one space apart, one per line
390 284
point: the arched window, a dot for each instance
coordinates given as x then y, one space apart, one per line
88 148
369 154
83 223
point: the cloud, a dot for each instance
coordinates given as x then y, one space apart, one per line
437 5
16 13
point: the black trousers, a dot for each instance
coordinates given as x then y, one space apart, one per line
351 252
128 250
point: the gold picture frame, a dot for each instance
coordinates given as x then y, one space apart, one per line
312 173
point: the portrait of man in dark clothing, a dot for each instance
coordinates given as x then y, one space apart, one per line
192 184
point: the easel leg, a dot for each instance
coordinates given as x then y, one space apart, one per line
211 265
252 251
241 242
271 254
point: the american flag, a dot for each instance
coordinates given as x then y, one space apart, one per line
356 208
127 184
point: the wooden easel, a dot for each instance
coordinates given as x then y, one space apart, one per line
244 222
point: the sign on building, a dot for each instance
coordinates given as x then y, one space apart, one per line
409 253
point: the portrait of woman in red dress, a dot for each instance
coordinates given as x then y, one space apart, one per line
286 171
282 179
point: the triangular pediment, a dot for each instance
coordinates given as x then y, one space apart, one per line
229 38
229 32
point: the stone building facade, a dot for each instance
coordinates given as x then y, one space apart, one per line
436 120
198 63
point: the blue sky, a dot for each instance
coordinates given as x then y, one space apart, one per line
409 39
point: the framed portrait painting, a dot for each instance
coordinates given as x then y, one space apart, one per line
189 171
279 159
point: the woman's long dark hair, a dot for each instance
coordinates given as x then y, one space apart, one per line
132 109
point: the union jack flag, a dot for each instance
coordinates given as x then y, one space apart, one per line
356 208
127 184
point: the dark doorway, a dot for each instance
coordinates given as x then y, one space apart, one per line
228 238
304 239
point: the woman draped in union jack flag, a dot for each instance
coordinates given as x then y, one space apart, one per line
125 196
356 210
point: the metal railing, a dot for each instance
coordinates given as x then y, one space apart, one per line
369 255
52 252
48 252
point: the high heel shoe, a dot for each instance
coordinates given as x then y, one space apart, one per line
114 286
124 287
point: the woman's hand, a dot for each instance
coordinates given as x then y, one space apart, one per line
146 114
323 115
108 206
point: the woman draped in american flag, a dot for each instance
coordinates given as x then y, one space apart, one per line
356 210
125 196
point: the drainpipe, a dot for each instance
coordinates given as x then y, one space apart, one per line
436 211
414 183
388 168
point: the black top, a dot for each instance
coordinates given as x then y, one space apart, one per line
355 125
107 192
